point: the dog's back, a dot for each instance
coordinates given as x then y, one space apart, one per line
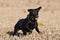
22 25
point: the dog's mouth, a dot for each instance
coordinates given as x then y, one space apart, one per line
36 18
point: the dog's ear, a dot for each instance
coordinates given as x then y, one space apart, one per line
39 8
29 10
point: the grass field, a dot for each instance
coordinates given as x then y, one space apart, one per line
49 18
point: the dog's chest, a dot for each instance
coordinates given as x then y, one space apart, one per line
31 25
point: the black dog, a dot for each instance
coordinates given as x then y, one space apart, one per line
29 23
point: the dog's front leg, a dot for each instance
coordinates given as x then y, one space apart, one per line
36 27
30 32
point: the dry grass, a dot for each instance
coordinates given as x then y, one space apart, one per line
49 18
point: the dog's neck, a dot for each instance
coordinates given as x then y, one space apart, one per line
31 19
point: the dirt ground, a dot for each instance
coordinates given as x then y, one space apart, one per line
49 18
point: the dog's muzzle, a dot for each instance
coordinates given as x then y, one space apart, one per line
37 16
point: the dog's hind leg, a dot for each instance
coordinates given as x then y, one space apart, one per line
15 31
24 32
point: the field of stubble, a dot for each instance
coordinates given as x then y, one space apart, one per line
49 18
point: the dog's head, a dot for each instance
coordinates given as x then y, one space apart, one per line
34 12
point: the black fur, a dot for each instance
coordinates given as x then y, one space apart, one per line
29 23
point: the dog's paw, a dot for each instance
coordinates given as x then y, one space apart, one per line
40 33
